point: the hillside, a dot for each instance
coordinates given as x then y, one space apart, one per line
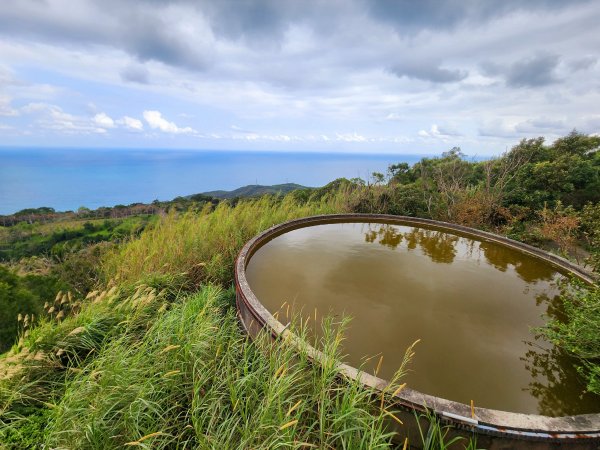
255 190
120 330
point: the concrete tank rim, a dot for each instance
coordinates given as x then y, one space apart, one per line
488 420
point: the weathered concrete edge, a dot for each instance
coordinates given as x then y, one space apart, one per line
488 421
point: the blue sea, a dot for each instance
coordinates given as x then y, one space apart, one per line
66 179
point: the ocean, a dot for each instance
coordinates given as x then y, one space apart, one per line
66 179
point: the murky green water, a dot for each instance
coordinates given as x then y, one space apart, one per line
471 303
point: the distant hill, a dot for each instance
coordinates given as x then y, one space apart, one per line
254 190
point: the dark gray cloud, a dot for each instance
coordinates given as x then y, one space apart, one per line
165 45
251 19
410 16
258 18
181 33
535 71
143 31
34 20
266 21
428 72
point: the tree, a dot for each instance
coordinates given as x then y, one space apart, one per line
378 178
400 173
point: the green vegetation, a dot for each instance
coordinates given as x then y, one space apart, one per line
22 296
175 371
577 330
192 380
59 239
254 190
436 437
202 246
142 347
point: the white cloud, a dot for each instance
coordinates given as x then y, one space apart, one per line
252 137
5 107
498 128
438 132
103 120
591 124
157 122
52 117
8 77
394 116
131 123
543 125
240 129
516 127
350 137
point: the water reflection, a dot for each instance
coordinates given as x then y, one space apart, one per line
442 247
528 269
554 376
385 234
555 381
439 246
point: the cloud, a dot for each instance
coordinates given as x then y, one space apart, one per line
53 118
497 128
542 125
408 16
156 37
131 123
252 19
427 72
135 74
439 132
350 137
7 77
395 116
174 32
5 107
584 63
263 137
104 121
293 71
157 122
535 71
591 125
241 130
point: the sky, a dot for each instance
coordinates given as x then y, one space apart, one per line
298 75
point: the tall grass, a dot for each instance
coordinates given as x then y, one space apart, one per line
204 244
438 436
195 381
34 374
